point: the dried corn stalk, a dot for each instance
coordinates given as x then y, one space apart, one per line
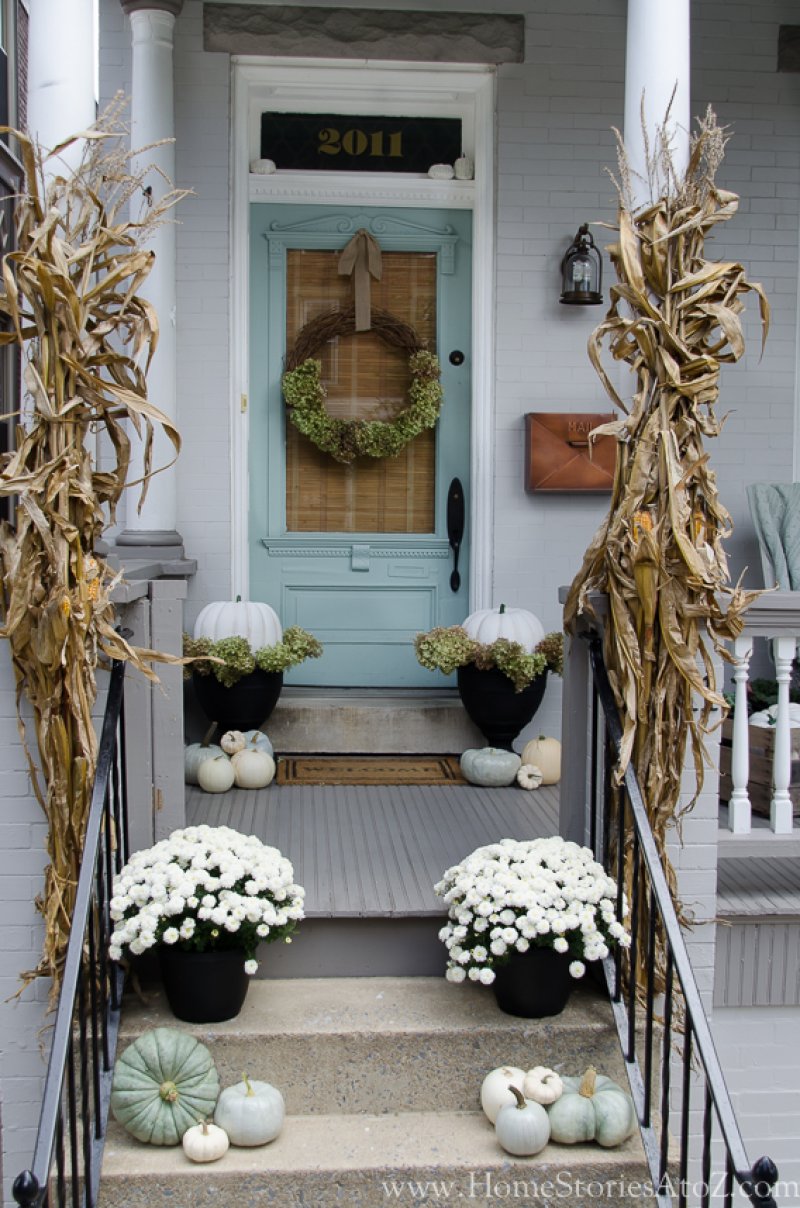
658 557
69 293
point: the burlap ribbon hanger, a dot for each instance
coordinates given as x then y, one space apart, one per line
361 259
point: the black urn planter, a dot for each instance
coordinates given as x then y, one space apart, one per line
246 705
496 709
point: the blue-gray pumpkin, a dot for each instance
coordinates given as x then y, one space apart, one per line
490 767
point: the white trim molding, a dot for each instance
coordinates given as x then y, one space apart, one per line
382 89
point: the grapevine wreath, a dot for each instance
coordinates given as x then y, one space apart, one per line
347 439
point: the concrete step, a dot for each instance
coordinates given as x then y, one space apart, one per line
372 1045
381 1078
352 721
367 1161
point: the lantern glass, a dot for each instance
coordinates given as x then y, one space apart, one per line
582 271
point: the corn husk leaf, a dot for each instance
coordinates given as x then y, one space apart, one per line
673 319
69 289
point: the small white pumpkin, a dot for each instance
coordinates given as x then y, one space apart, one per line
494 1089
523 1127
515 624
251 1112
216 775
529 776
233 741
542 1085
545 753
240 618
205 1142
253 769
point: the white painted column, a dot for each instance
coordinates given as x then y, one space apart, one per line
656 64
153 119
61 75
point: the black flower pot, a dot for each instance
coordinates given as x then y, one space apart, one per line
246 705
203 987
496 709
534 984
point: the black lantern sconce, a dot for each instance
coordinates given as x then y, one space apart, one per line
582 271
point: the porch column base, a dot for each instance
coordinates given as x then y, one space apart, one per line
163 544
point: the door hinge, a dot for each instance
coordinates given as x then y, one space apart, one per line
243 403
158 800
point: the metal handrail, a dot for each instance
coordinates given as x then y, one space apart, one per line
74 1112
699 1057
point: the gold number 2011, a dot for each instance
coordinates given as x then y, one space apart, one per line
356 142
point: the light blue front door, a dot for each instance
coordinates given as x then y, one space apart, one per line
360 554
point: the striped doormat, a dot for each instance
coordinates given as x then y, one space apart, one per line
368 769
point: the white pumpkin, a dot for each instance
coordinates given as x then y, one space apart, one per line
545 753
205 1142
253 769
494 1089
233 741
515 624
241 618
216 775
542 1085
251 1112
529 776
522 1128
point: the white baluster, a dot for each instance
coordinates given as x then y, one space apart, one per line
739 812
781 806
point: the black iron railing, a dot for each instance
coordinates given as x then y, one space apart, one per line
72 1123
674 1072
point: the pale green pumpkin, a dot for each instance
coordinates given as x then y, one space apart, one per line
164 1083
592 1108
251 1112
489 766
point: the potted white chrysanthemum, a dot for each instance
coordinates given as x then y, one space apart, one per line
204 899
525 916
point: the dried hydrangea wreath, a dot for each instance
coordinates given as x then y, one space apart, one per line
347 439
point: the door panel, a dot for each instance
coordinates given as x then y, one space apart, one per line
358 554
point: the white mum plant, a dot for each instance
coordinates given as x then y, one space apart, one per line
205 888
519 894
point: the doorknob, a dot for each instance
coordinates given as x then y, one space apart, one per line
455 527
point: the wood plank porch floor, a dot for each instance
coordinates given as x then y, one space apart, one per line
376 851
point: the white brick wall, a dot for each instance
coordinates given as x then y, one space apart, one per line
758 1050
22 860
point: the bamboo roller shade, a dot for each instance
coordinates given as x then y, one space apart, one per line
364 378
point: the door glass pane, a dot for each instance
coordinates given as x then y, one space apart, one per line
365 378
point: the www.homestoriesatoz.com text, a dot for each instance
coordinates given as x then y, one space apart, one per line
488 1187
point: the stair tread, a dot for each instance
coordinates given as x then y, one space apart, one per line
367 1005
391 1141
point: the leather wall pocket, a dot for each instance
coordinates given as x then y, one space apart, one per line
558 456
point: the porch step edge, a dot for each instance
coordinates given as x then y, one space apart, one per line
338 1043
343 1160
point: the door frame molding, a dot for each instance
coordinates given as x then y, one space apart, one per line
305 85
